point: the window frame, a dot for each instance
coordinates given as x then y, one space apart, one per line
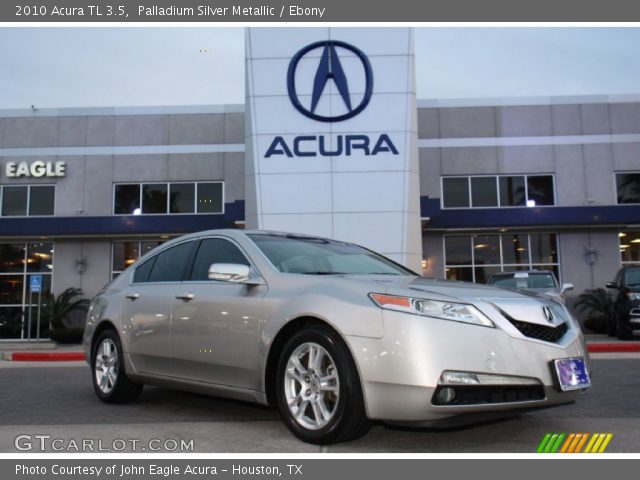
28 202
503 267
168 206
26 274
497 182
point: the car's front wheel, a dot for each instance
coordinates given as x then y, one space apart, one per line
110 381
319 392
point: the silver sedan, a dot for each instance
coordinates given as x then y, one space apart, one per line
333 334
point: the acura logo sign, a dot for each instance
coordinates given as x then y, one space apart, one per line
548 314
329 69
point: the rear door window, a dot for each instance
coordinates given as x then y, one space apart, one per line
170 265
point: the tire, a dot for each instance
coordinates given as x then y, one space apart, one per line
624 329
321 412
110 381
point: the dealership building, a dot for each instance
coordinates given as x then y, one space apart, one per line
331 141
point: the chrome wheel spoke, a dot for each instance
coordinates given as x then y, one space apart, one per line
302 409
318 413
329 383
297 365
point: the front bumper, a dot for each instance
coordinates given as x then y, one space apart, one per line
400 371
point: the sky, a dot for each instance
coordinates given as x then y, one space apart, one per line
81 67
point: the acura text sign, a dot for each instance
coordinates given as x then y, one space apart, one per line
331 136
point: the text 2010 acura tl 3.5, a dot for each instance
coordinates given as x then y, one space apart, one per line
333 334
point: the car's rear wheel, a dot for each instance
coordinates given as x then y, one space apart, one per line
110 381
319 392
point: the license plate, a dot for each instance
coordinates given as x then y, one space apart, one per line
572 374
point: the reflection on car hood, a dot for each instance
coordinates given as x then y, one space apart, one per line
461 291
519 305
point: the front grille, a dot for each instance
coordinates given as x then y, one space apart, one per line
540 332
482 395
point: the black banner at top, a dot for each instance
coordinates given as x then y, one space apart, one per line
318 11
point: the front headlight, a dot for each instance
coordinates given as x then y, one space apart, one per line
457 312
633 295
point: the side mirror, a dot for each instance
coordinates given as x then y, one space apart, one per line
611 285
566 287
229 272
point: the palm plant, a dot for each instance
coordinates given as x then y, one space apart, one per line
55 310
595 302
598 306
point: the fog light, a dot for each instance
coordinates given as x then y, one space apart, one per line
450 377
446 395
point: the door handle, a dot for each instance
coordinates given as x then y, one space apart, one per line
185 296
132 296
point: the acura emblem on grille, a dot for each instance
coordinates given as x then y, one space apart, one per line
548 314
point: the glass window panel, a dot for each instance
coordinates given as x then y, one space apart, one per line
484 192
515 248
553 268
540 189
210 197
44 323
41 199
455 192
512 191
141 274
124 254
11 257
170 264
215 250
14 201
458 250
40 257
483 273
127 199
544 248
629 246
486 249
11 287
154 198
148 245
181 197
463 274
628 186
10 322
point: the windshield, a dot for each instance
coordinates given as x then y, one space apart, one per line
318 256
525 280
632 277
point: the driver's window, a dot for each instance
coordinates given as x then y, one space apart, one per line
215 250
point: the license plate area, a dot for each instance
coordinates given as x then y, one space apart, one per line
571 374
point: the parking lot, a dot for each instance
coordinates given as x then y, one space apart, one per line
58 401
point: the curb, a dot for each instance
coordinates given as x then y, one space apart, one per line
596 347
44 356
613 347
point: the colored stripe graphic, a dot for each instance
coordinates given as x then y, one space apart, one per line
574 442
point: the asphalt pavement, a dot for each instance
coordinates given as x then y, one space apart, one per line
58 402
